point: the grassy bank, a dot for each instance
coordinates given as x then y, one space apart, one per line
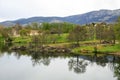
87 47
100 49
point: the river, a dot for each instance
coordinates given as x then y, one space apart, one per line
14 66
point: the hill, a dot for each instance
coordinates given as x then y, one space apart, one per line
108 16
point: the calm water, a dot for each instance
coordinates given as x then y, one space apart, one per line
22 67
36 66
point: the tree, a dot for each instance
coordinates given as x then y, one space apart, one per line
18 27
35 25
46 26
78 34
105 32
109 34
99 31
117 29
24 32
90 31
41 38
3 32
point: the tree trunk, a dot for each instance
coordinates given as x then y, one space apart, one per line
114 39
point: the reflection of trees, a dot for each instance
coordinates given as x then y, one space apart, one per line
78 65
117 71
38 59
116 67
4 47
100 60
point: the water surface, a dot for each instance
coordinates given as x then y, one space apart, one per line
19 66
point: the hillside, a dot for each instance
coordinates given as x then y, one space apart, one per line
93 16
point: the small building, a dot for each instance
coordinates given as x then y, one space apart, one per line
34 32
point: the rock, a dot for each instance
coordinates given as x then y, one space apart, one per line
18 48
22 48
43 49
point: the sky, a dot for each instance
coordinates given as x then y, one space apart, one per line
16 9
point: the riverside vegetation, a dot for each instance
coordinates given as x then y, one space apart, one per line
64 37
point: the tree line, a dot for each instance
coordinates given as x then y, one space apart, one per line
104 32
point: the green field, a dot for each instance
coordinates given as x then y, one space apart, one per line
58 38
100 49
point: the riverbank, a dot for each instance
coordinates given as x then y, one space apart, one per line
101 48
84 47
71 48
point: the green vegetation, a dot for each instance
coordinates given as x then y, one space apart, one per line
89 38
60 39
21 39
111 48
1 39
26 39
100 49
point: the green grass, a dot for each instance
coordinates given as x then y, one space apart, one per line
62 38
1 39
58 39
79 49
110 48
100 48
21 39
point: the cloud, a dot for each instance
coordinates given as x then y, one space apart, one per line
13 9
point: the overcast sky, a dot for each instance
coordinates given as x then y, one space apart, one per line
15 9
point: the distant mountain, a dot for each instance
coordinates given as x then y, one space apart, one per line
93 16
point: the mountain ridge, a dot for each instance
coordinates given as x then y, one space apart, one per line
102 15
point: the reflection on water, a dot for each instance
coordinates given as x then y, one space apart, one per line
23 65
78 65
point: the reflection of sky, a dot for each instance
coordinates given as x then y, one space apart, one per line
12 68
98 73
